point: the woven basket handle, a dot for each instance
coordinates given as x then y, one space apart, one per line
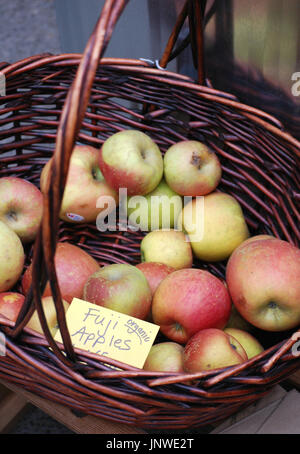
194 11
73 112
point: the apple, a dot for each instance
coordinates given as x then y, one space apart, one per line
249 343
170 247
237 321
211 349
21 207
165 357
221 229
157 210
263 280
50 314
191 168
10 304
188 301
120 287
154 272
86 194
131 159
12 257
258 237
73 267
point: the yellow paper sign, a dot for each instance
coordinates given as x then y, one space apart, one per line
109 333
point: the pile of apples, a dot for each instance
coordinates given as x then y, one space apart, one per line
206 322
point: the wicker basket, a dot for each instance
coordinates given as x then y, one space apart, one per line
53 102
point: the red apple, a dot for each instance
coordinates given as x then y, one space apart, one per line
165 357
155 272
263 280
73 267
131 159
10 304
189 300
212 349
21 207
120 287
191 168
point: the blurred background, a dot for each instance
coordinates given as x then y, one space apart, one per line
252 49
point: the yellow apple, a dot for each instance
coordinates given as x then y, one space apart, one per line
50 314
165 357
170 247
222 230
250 344
12 257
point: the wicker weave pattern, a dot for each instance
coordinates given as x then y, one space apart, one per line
43 112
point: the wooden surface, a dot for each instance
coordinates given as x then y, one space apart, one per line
81 425
294 379
11 406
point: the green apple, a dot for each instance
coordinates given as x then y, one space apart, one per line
157 210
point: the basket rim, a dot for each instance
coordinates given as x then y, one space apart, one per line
265 120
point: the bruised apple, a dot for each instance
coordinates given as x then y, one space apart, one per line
191 168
